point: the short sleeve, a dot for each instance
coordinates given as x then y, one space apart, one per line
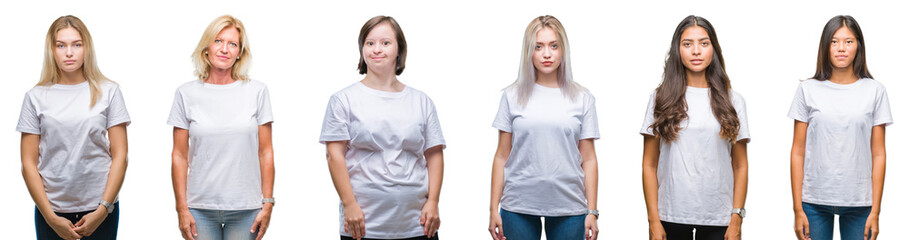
28 118
648 117
335 125
432 134
177 116
589 124
799 108
882 109
738 102
116 109
503 117
263 111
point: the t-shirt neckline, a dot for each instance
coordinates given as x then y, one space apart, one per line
383 93
71 86
222 86
843 86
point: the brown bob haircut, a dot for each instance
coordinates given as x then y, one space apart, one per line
399 37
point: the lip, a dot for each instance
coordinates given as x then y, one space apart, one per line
547 63
225 58
69 61
377 58
841 56
697 61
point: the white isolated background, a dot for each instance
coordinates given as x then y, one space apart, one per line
461 53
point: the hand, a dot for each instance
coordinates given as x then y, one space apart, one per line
429 218
90 222
63 227
495 226
590 227
734 231
801 226
657 232
262 221
871 226
187 225
354 221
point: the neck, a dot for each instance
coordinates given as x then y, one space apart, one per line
548 80
697 79
71 78
384 81
843 75
220 76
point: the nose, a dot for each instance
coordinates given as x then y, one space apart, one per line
696 51
376 49
223 48
547 53
840 47
69 51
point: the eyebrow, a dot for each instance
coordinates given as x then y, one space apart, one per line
72 41
549 42
702 39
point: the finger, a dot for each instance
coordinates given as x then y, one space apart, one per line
261 234
423 219
362 228
346 229
192 227
255 225
866 232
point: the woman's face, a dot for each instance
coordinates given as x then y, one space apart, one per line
68 51
547 54
696 49
842 48
224 50
380 49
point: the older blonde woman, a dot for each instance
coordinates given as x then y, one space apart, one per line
223 169
73 126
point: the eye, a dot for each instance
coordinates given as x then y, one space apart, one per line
705 44
687 44
217 40
386 43
59 45
233 44
369 43
538 47
849 41
833 42
555 46
78 45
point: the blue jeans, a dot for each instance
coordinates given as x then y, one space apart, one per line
820 221
517 226
224 224
107 229
436 237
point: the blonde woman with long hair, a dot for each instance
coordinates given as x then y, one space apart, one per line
545 165
73 125
223 168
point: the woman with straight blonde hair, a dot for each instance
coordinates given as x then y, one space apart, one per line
73 125
545 164
223 165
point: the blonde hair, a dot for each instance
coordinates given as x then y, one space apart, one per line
51 73
527 75
240 70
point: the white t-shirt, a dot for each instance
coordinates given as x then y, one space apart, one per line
74 151
543 174
223 123
695 179
387 133
838 144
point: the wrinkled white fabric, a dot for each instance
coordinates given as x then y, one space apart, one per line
387 133
694 176
543 174
74 151
837 168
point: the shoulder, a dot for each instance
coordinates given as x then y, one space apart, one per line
737 100
255 84
873 84
418 95
109 86
189 86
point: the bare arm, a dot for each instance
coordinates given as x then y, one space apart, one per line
118 150
591 176
878 168
179 169
797 169
498 183
740 176
651 186
267 172
29 152
429 216
354 219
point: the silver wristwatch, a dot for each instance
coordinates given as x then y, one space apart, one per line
268 200
109 206
739 211
596 214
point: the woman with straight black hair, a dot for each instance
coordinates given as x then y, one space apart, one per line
838 155
695 167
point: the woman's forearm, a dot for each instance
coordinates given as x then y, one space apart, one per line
337 166
878 167
118 152
797 163
266 161
34 183
651 187
740 173
179 167
591 175
435 166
